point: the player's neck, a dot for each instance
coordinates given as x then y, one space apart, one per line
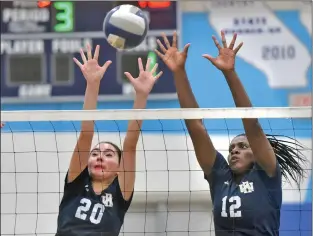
238 178
99 185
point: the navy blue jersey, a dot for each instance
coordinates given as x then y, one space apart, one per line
84 213
251 208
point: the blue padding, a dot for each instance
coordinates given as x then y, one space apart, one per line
296 220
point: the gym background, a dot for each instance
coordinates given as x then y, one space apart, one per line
37 72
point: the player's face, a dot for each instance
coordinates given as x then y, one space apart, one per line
240 155
103 162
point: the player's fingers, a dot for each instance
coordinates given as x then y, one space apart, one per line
223 39
186 48
216 43
238 47
158 75
233 41
155 67
159 54
167 43
89 56
96 55
106 65
148 64
210 58
83 56
77 62
129 77
174 43
140 65
163 49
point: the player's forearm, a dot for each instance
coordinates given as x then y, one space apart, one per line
239 94
185 95
90 103
134 126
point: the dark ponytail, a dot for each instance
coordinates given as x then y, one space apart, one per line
289 156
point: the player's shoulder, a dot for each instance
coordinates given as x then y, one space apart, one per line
220 171
119 195
271 184
220 166
261 175
78 183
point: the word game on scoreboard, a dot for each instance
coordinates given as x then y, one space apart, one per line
40 38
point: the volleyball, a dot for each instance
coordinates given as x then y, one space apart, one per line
125 27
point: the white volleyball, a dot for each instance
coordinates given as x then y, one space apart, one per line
125 26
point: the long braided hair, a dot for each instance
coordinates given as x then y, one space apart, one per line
289 156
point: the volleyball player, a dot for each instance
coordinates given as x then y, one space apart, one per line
247 191
100 181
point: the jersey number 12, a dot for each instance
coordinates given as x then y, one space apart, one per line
235 204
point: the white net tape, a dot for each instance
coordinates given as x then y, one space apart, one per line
158 114
171 197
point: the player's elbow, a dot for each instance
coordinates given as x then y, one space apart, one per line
127 183
268 164
129 147
206 161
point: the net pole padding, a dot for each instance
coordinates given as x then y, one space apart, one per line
157 114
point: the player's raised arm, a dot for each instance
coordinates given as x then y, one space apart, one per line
93 74
142 85
175 60
263 152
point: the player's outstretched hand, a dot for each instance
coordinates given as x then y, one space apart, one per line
172 57
225 60
143 84
90 67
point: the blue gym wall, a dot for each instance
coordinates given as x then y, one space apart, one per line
211 90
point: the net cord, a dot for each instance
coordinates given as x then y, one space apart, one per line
157 114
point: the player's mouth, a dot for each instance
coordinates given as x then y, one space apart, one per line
98 168
234 159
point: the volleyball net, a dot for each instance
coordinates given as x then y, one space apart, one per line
171 196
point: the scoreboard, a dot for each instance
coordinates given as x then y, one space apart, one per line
40 39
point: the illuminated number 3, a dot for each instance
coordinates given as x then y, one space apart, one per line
65 17
235 202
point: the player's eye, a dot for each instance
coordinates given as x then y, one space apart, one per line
94 154
108 155
243 145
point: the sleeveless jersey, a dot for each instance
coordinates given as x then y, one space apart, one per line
251 208
84 213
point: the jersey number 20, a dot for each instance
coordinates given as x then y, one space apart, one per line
235 204
96 213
